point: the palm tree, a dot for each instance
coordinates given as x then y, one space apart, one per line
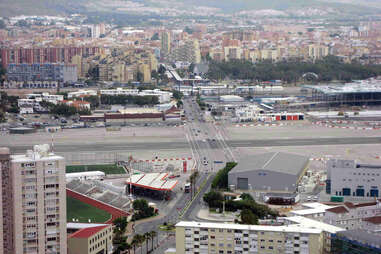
147 237
141 238
153 234
135 242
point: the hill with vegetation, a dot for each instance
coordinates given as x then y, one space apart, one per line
181 7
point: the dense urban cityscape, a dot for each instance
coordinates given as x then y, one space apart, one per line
190 127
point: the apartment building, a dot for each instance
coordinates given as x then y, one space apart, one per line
6 215
220 238
91 239
45 54
34 202
42 72
165 43
349 178
353 216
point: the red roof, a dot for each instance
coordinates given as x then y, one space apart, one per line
339 209
87 232
374 220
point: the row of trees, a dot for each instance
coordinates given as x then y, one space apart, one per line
63 110
328 69
220 181
120 239
129 99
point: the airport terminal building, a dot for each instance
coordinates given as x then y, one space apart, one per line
269 172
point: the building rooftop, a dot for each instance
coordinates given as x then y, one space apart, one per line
72 225
310 223
374 220
39 153
287 229
338 209
355 87
286 163
87 232
153 181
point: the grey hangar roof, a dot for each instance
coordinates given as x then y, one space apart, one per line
274 161
273 171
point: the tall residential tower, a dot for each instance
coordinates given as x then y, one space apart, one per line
34 202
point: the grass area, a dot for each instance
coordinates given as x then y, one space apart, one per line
168 228
83 212
108 169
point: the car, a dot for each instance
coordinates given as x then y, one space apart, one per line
173 176
309 198
315 198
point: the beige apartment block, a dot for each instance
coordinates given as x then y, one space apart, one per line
91 240
34 202
216 238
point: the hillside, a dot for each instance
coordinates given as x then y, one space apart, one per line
187 7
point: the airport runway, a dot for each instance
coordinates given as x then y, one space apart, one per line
108 147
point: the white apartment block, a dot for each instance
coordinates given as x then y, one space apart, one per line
222 238
35 199
352 216
349 178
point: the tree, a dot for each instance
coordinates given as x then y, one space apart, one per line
153 234
120 224
248 217
93 99
161 69
246 196
191 67
147 237
213 198
220 181
155 37
177 94
142 209
139 77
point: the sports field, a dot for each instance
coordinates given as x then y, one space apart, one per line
83 212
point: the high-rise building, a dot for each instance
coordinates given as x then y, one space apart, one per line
34 202
189 51
6 215
165 43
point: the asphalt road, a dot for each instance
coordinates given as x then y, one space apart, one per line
104 147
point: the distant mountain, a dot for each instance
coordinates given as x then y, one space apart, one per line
181 7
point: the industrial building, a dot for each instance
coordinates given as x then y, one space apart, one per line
271 172
366 92
349 178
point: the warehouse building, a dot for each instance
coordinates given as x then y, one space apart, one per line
270 172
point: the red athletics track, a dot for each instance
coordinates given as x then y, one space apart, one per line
115 212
